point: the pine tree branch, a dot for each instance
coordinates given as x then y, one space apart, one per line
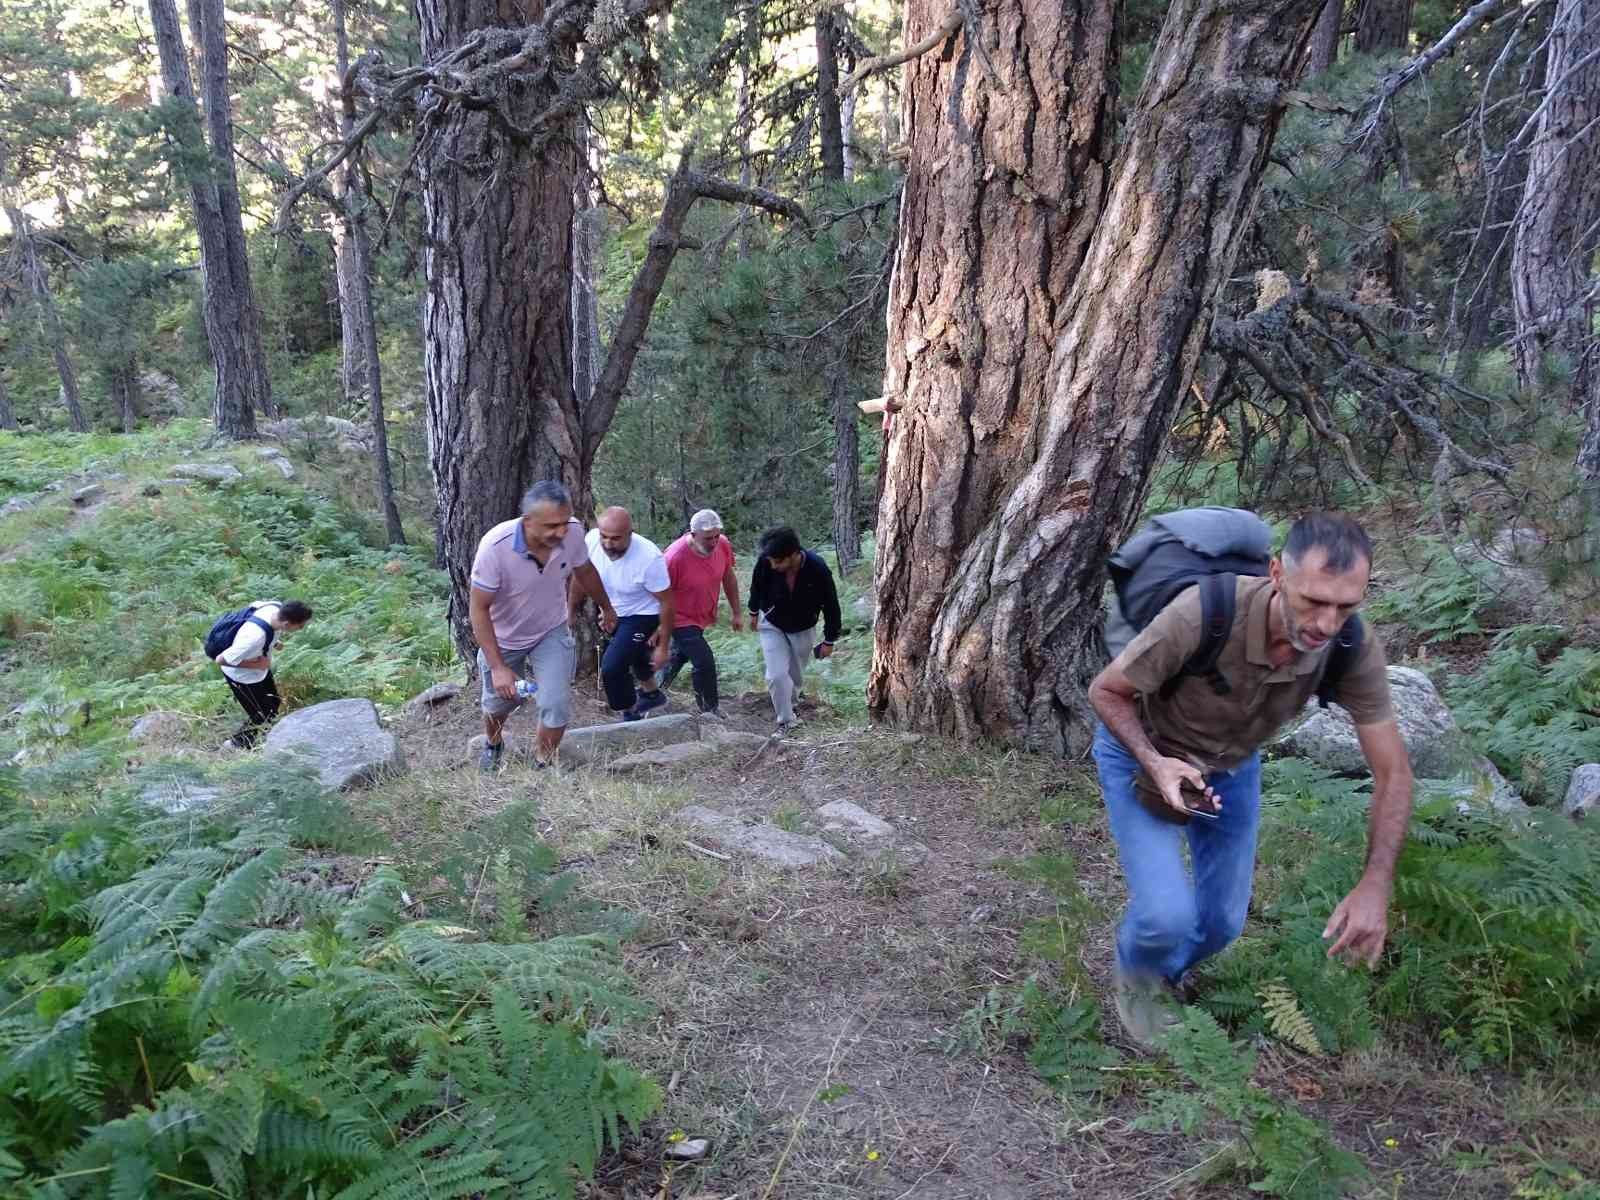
886 62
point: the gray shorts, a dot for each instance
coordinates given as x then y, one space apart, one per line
550 662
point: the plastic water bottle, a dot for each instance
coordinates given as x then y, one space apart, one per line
526 689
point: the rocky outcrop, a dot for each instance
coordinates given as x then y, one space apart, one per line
342 740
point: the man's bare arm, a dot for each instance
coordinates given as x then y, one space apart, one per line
1360 924
589 579
730 587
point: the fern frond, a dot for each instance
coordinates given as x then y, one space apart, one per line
1287 1022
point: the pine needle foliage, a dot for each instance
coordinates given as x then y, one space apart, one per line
179 1013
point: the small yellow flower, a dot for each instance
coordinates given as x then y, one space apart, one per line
1390 1142
677 1135
872 1156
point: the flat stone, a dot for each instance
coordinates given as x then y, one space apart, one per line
181 795
595 743
158 726
208 472
429 699
765 842
285 467
665 758
1583 791
89 492
19 504
734 739
341 739
175 483
841 816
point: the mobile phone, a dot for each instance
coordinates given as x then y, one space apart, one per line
1195 802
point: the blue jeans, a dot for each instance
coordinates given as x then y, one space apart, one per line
1172 921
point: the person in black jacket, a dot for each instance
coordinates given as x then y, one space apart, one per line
790 588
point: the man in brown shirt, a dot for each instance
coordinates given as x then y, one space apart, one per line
1206 742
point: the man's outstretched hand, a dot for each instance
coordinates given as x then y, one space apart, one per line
1360 925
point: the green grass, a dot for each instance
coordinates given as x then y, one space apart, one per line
110 611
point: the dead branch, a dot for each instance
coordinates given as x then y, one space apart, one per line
873 66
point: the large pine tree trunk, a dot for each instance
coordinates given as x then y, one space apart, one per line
1555 238
497 326
587 223
233 330
352 317
8 416
125 392
836 341
1014 470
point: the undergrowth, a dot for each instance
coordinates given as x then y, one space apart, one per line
190 1003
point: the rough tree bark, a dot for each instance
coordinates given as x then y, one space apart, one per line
1555 235
836 339
587 223
124 380
353 219
1007 488
352 330
38 283
1383 25
497 340
8 416
1325 37
233 332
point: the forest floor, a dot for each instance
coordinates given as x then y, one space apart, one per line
841 1031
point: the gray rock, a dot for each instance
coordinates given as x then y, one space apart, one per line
665 758
19 504
158 726
1583 791
1479 786
598 743
1437 747
428 700
181 795
174 483
865 609
841 816
208 472
88 492
734 739
284 466
54 486
341 739
160 394
765 842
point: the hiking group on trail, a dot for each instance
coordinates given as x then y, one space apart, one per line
1215 644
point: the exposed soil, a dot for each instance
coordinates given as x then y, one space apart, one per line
809 1023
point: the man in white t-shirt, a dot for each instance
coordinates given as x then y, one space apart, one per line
635 577
247 663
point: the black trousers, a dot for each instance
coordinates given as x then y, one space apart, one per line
627 658
689 645
260 702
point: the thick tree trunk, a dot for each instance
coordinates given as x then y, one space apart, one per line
1384 25
1555 238
55 336
496 315
836 340
1325 37
1010 478
232 327
353 219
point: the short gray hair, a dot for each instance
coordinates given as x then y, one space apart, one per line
546 491
1338 535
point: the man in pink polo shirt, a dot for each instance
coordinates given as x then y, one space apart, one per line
700 564
520 619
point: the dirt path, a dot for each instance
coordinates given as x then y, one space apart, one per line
839 1031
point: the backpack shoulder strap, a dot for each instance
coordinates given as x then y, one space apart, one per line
266 628
1218 597
1346 649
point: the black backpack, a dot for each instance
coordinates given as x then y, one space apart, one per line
227 627
1211 547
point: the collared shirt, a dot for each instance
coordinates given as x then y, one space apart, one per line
1220 731
795 610
530 599
697 580
248 643
632 579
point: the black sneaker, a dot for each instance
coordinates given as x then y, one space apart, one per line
648 701
489 760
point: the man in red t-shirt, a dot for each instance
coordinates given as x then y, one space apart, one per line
699 564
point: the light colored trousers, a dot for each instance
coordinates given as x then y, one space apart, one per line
786 655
